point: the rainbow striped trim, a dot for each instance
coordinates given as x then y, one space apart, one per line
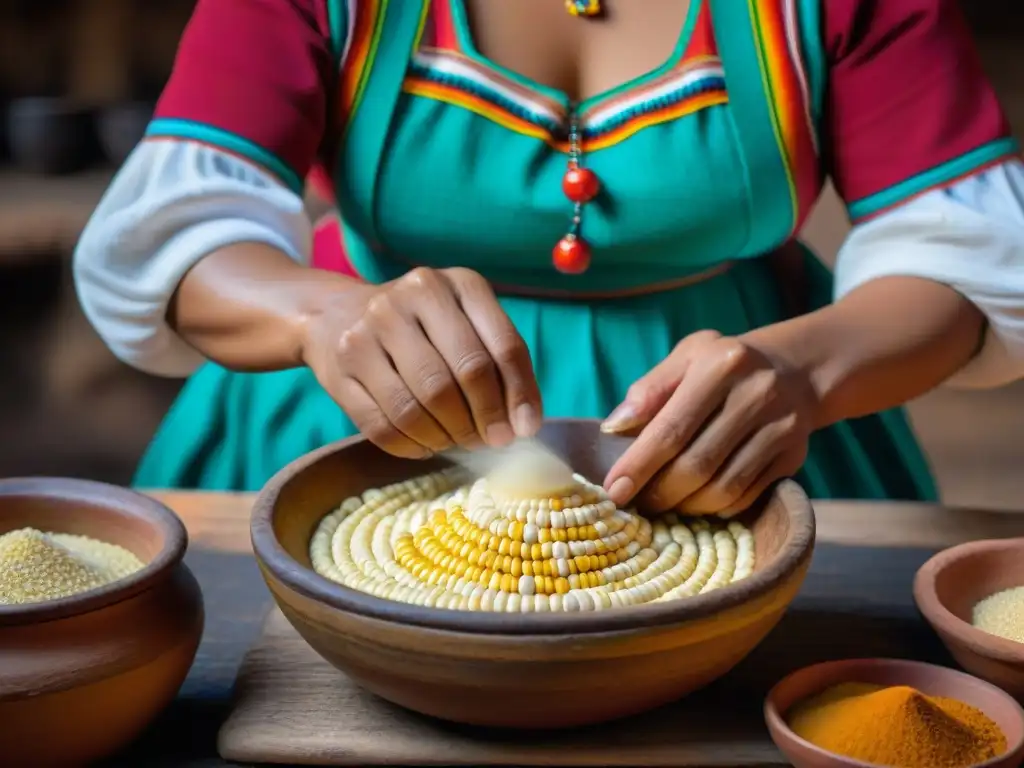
365 24
456 79
777 34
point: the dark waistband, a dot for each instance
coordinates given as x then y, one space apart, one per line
538 292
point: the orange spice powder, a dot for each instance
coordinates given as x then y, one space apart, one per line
897 726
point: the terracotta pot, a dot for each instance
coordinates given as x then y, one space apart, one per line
81 677
948 587
121 127
927 678
49 136
531 670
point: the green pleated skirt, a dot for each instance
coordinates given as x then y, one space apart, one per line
231 431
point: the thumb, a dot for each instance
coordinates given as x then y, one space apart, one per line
647 396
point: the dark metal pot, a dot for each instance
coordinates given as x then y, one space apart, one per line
50 136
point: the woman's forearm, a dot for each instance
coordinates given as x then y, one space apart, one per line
881 345
246 306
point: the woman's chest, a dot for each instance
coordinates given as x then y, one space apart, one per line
472 166
581 57
479 179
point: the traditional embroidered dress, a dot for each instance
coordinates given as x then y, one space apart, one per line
439 157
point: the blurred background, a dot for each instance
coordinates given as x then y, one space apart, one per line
78 79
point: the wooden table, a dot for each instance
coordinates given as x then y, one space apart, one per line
901 536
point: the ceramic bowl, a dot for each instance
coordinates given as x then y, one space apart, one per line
49 136
927 678
81 677
948 587
535 670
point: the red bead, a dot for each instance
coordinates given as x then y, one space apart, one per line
580 185
571 255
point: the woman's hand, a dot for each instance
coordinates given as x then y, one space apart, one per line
424 363
720 422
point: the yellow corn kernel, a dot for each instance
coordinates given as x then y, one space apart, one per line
549 585
573 533
555 504
509 584
528 568
536 552
516 568
561 585
503 547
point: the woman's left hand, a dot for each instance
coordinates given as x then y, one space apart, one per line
720 422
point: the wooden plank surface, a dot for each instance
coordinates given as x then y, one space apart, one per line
857 596
856 602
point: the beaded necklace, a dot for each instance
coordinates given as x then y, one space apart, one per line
580 185
583 7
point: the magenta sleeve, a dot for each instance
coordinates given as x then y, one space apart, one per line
252 77
909 107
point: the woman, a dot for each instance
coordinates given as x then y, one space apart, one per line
668 153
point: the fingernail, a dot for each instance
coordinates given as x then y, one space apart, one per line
622 418
499 435
621 491
526 419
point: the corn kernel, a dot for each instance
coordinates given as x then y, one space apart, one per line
573 552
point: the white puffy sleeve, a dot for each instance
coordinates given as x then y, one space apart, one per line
171 204
969 236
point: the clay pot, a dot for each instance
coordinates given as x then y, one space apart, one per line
121 127
927 678
49 136
81 677
948 587
495 669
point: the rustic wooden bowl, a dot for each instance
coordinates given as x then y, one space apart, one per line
948 587
531 670
929 679
82 676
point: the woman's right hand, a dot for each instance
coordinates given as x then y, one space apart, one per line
425 362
